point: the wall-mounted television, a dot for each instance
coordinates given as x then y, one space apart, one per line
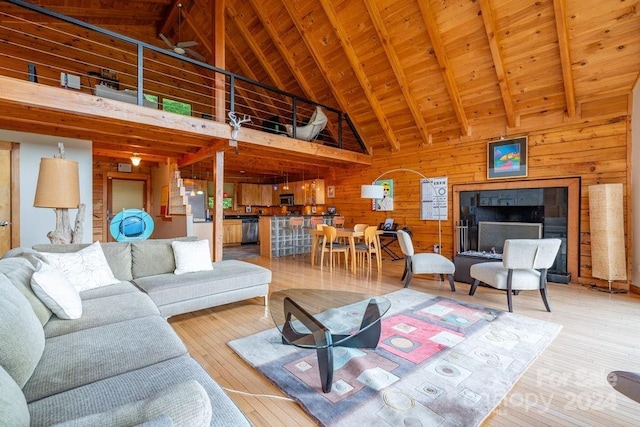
491 235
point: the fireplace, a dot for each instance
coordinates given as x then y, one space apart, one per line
545 208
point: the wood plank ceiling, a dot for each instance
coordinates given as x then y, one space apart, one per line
408 72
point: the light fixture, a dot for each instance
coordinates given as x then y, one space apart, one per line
373 191
606 221
286 182
59 188
135 159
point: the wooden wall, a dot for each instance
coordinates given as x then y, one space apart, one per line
594 147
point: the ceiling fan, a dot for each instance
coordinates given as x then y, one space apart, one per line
182 48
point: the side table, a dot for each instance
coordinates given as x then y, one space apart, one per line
464 260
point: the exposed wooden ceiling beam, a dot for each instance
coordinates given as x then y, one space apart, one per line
491 30
248 72
565 56
445 66
117 154
394 60
170 19
320 62
361 75
204 153
259 9
201 38
255 49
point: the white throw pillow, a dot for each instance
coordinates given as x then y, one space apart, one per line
56 292
86 269
192 256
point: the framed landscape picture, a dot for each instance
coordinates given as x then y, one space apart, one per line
507 158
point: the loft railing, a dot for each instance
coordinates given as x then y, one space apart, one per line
94 60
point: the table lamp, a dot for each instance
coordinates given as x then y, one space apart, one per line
59 188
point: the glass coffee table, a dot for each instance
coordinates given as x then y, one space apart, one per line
321 319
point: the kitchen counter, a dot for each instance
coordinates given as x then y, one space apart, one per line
275 238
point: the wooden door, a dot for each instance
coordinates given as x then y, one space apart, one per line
125 191
5 197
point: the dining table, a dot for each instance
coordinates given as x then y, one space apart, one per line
348 233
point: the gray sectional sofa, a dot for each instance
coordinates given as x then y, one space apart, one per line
120 363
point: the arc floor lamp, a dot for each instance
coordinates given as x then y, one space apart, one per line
374 191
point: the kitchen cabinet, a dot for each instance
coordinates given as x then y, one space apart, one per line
316 192
249 194
255 195
299 192
266 195
231 231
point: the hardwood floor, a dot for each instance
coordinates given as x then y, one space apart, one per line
566 385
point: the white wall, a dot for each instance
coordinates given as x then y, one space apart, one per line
635 185
35 223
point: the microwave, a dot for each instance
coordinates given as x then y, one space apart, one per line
286 200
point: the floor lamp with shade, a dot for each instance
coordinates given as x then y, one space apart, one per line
373 191
606 219
59 188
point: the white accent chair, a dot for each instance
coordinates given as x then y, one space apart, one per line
310 131
423 263
524 267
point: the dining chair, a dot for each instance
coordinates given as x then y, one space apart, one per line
330 246
524 267
370 247
338 221
423 263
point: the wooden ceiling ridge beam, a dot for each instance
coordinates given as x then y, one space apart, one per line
360 73
320 62
445 66
559 8
394 60
503 81
288 59
257 51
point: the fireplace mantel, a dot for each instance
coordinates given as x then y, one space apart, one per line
573 209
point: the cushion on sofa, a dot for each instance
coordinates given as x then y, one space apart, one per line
226 276
86 269
19 271
56 292
89 355
191 256
185 404
118 255
105 291
13 406
21 334
103 311
152 257
109 393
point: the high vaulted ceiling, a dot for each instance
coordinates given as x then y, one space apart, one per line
406 71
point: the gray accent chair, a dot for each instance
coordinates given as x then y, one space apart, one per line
423 263
627 383
524 267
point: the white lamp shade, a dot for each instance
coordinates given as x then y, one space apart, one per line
372 191
135 159
58 184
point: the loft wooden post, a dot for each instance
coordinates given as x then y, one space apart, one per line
218 190
219 95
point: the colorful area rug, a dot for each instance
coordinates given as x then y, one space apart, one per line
439 363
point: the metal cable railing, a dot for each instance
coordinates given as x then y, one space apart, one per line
94 60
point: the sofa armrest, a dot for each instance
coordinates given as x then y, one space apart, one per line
184 404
